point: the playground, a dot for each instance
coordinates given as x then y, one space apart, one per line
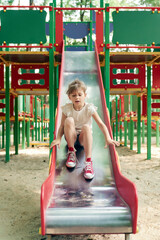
20 184
120 65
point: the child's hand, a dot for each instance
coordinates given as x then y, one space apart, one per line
55 142
111 141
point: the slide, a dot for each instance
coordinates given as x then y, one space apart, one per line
69 203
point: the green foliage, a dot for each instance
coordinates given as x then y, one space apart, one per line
41 2
154 3
78 15
45 2
133 3
6 2
124 3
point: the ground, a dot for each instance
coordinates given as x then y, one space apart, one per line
22 177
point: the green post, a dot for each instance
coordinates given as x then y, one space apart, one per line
35 108
101 3
42 112
157 133
143 131
19 135
23 125
0 138
91 26
125 132
131 134
116 118
3 134
1 123
64 38
139 126
51 77
32 124
56 68
103 73
32 131
113 130
110 110
39 131
16 126
148 112
102 68
111 119
131 126
129 130
107 58
120 124
28 132
14 132
3 127
57 85
7 115
87 42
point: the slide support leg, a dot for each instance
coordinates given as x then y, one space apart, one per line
127 236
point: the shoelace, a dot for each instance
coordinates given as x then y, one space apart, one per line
72 155
88 166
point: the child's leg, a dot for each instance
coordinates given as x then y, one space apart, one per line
70 135
85 139
70 132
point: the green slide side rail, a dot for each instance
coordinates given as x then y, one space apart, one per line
23 26
136 27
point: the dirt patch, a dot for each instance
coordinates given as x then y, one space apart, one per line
22 177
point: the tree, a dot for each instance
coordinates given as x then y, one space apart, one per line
152 3
122 3
78 15
7 2
45 2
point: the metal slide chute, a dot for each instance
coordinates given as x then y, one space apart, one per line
69 203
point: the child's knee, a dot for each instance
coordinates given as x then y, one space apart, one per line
86 128
69 122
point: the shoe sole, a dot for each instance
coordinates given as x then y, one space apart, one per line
89 178
70 166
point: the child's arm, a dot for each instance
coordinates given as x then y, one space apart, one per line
57 141
104 130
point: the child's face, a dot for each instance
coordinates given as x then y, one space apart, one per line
78 98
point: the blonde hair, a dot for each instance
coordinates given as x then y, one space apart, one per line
73 86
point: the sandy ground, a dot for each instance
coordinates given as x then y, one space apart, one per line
22 177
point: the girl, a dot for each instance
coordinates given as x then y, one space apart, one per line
76 125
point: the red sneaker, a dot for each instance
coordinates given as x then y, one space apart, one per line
71 159
88 171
